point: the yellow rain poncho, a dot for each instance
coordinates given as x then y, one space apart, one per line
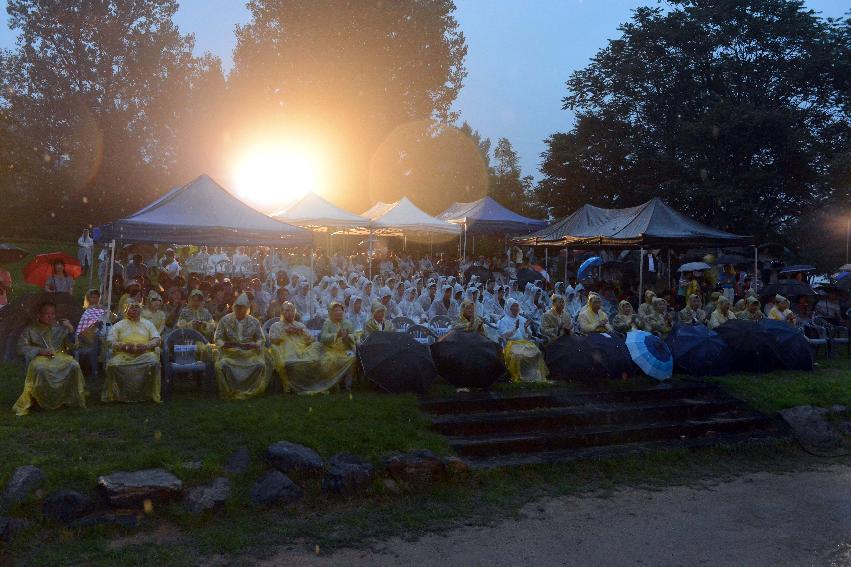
626 320
156 317
338 357
241 369
555 324
591 321
781 311
523 359
373 326
659 322
50 382
131 376
474 325
297 357
719 317
198 319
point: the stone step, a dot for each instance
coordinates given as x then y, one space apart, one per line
582 437
570 417
752 438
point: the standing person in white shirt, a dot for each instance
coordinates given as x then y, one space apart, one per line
85 250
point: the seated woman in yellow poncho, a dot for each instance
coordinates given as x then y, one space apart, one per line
53 377
198 318
467 320
523 358
782 312
557 321
378 322
296 356
338 358
153 311
592 318
133 372
241 370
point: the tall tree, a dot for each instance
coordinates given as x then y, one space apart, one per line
508 185
94 89
349 73
734 111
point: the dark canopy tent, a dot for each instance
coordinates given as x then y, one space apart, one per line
486 216
202 212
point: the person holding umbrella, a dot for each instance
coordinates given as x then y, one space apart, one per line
523 358
53 376
556 322
59 281
133 372
592 318
468 321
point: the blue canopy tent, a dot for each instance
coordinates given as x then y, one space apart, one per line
487 216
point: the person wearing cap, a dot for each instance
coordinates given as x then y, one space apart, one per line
241 370
133 290
556 322
338 340
592 318
722 313
295 355
153 311
751 311
660 321
646 308
378 322
54 378
523 359
133 372
782 312
692 314
468 321
197 317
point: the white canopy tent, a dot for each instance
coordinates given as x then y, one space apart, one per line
317 214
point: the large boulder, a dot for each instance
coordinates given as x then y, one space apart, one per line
65 506
275 488
127 489
811 426
24 480
347 474
203 498
419 468
291 457
239 461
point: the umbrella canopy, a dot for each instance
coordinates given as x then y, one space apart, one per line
10 253
482 273
468 360
90 317
797 268
40 268
694 267
592 261
598 356
650 354
397 363
794 351
844 268
527 275
749 349
698 351
789 289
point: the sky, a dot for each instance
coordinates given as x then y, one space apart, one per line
520 53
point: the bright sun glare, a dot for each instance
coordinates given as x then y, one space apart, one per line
272 177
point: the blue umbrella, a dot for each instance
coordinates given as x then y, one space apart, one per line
794 350
650 354
592 261
698 351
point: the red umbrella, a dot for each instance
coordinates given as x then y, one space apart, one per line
41 267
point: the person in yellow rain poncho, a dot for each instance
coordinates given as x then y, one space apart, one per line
592 318
626 320
241 369
153 311
296 356
133 372
722 313
557 321
782 312
378 322
660 321
198 318
53 376
646 308
468 321
338 357
523 359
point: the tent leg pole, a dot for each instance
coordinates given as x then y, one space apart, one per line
565 269
669 271
641 275
755 267
111 277
369 255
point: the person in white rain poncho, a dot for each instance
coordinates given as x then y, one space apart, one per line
523 358
428 295
573 304
443 306
411 307
357 315
386 299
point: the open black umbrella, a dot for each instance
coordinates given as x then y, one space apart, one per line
588 358
10 253
698 351
527 275
794 351
750 349
481 272
468 359
788 288
797 268
397 363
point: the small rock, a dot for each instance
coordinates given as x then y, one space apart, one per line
391 486
348 474
203 498
275 487
192 465
456 467
9 527
291 457
24 480
239 462
422 467
121 518
811 426
65 506
133 488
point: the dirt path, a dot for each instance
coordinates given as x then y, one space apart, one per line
801 518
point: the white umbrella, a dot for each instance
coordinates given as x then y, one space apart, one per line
694 267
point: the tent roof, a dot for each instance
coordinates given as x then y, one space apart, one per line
312 211
650 224
404 217
487 216
202 211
